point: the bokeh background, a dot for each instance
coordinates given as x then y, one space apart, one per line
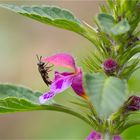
21 39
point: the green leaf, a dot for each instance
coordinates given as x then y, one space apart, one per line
133 118
106 21
54 16
80 104
11 105
8 90
130 67
49 15
108 24
121 28
129 53
20 99
106 93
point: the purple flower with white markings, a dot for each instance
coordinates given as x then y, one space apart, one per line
98 136
64 80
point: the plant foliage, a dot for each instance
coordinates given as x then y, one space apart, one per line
115 37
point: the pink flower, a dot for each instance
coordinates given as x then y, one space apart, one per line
94 135
64 80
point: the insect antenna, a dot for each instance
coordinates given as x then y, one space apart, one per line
38 58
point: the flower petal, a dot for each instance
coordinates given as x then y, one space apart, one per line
98 136
117 137
59 84
94 136
77 83
45 97
59 75
61 59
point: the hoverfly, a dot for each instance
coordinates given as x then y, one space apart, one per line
44 70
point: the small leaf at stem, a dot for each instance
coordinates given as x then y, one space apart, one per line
108 24
106 21
120 28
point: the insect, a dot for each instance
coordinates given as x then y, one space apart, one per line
44 70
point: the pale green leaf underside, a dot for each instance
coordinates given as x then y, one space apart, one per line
120 28
106 93
108 24
49 15
8 90
20 99
106 21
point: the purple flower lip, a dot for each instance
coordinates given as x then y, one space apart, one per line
94 135
133 103
117 137
110 66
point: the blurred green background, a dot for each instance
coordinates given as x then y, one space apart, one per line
20 40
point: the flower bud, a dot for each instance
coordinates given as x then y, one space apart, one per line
94 135
110 66
117 137
135 39
130 44
133 103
